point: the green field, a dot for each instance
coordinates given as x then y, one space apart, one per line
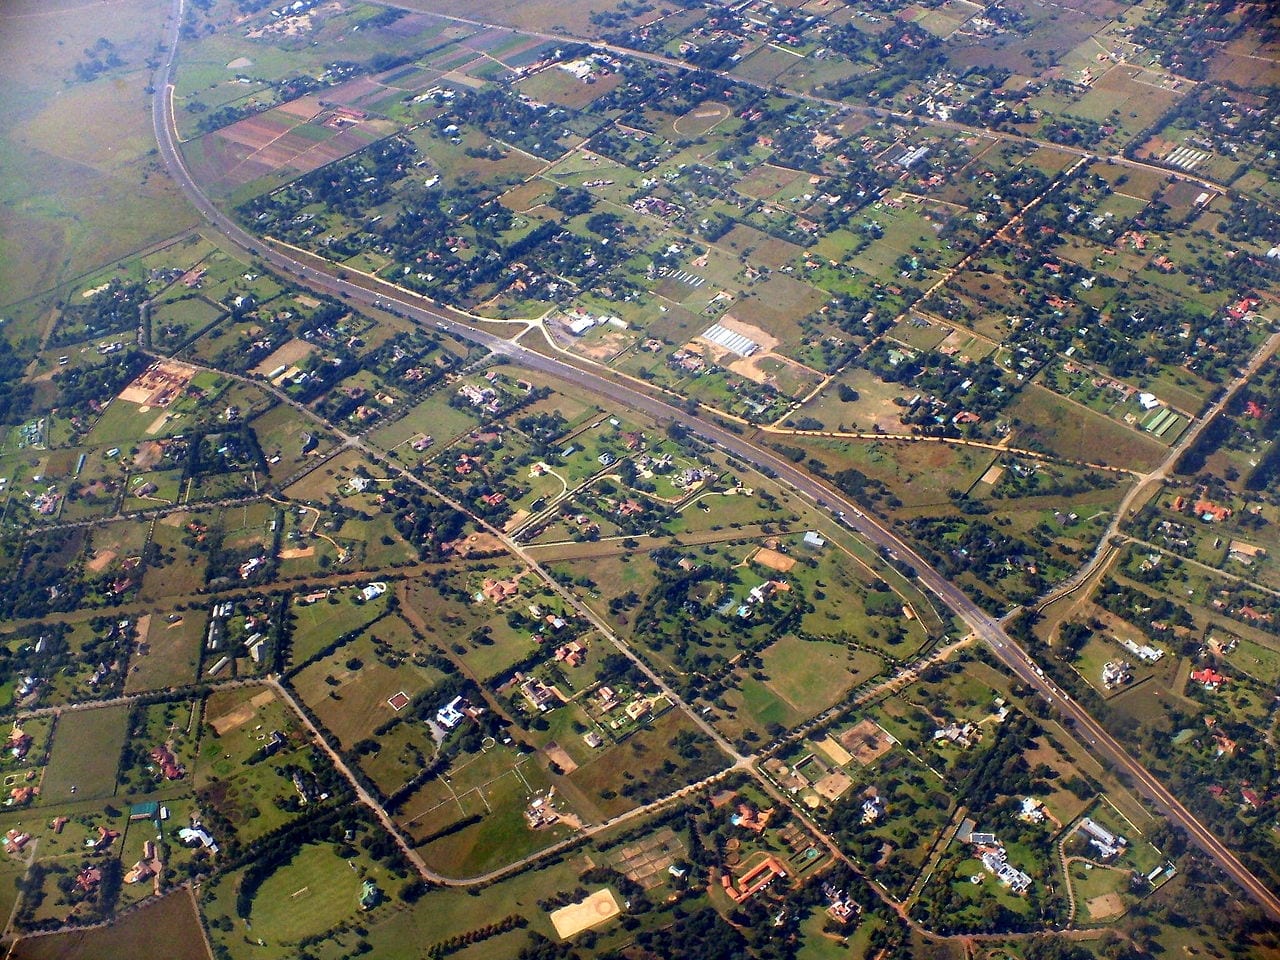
308 895
86 752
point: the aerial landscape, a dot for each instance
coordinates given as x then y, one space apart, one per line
640 480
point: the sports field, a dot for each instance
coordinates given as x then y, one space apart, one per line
314 891
576 917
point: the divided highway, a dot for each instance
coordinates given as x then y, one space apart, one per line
983 625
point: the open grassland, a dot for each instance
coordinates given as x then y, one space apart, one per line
172 653
61 131
349 690
86 753
318 624
1071 430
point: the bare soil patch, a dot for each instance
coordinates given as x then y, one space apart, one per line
150 452
101 561
241 714
159 384
286 355
866 741
836 752
833 785
774 560
556 754
584 914
1106 906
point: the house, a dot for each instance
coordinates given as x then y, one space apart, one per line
19 796
169 767
197 836
1108 844
1209 678
963 735
606 698
1245 553
88 879
754 880
451 714
571 653
814 539
840 906
1116 673
370 895
142 870
247 568
538 695
19 743
373 591
996 862
872 809
499 590
593 740
104 839
639 708
14 841
308 790
1148 401
751 819
1211 512
1032 810
982 839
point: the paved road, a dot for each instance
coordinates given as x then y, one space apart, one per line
985 626
1149 484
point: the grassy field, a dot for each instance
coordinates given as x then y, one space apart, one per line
95 135
173 653
308 895
318 624
131 938
352 700
810 674
86 752
1071 430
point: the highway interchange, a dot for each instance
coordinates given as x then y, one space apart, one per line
986 627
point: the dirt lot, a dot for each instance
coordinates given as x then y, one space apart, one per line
241 715
774 560
583 915
832 785
1105 906
286 355
836 752
159 384
866 742
556 754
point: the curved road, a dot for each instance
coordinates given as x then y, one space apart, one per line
985 626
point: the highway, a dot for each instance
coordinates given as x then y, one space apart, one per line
983 625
